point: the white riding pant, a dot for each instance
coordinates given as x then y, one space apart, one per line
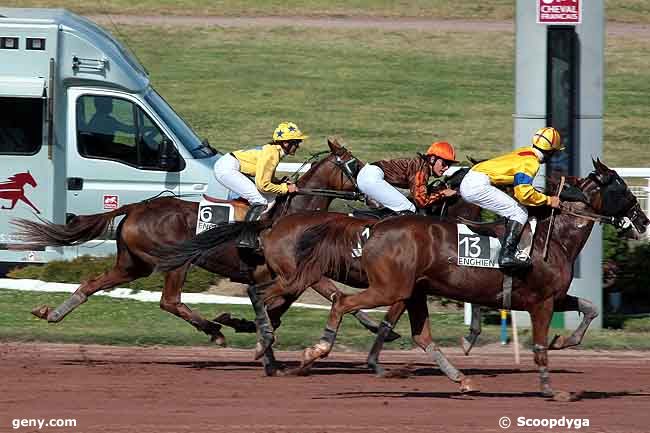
371 182
226 170
477 189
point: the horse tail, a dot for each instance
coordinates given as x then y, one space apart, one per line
204 244
324 249
80 229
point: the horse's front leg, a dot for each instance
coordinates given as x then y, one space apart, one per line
572 303
541 315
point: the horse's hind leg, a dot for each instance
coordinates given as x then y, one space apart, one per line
121 273
573 303
369 298
326 288
385 328
421 331
170 301
474 330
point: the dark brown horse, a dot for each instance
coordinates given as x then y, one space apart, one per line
279 246
149 226
407 257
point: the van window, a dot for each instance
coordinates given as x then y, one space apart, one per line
118 130
21 125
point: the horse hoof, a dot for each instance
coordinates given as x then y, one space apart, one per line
565 396
547 392
392 336
219 339
41 312
467 386
263 345
466 344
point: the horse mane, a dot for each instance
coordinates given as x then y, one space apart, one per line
325 249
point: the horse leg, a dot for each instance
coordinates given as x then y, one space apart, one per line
474 330
265 337
421 332
326 288
541 315
369 298
573 303
385 328
119 274
170 301
274 312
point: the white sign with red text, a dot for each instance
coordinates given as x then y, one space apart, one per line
111 202
559 11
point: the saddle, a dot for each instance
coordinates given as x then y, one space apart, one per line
373 213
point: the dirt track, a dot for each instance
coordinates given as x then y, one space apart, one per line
118 389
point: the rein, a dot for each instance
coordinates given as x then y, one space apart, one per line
592 216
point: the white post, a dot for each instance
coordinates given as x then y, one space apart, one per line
468 313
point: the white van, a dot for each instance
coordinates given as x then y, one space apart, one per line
82 131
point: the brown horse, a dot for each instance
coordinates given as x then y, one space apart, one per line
279 245
151 225
407 257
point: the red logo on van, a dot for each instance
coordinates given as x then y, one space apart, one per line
12 189
111 202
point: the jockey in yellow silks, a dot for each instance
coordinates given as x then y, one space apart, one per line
516 169
231 171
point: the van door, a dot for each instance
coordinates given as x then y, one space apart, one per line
116 152
26 169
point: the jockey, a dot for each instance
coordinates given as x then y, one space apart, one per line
379 179
231 170
517 169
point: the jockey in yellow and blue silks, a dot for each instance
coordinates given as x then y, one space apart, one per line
231 171
516 169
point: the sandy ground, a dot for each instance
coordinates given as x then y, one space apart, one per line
639 31
172 389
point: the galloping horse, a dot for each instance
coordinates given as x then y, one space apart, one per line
150 226
409 256
279 245
14 189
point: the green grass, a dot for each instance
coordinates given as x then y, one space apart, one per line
125 322
83 268
388 93
103 320
617 10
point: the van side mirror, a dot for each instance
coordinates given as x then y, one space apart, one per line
169 158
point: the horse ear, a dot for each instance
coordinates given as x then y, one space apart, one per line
334 144
602 167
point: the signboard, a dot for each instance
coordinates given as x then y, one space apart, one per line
559 11
111 202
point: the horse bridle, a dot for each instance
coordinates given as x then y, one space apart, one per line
621 223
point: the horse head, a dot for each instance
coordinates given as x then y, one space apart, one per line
610 196
25 178
337 171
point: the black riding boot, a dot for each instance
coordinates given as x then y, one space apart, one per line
508 256
248 238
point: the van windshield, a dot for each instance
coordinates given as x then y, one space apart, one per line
189 139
